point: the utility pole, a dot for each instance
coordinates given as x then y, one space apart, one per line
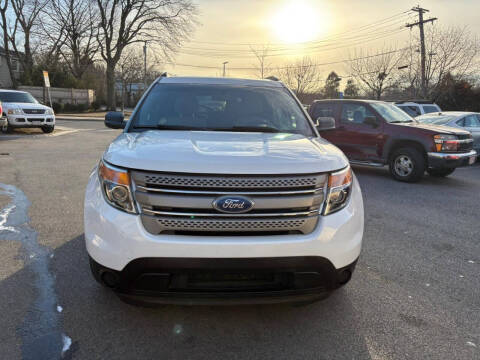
420 23
145 64
224 63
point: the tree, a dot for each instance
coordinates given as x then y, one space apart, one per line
163 23
261 53
302 76
377 71
71 27
26 19
450 50
330 90
351 89
6 40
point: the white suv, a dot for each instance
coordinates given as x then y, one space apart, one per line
22 110
417 108
221 191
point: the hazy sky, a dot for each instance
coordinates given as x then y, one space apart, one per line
328 31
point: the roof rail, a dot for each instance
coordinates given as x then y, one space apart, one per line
272 78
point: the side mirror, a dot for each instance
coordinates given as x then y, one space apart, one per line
325 123
371 120
115 120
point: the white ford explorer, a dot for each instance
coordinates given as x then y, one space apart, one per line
222 191
22 110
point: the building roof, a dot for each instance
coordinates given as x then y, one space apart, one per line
218 81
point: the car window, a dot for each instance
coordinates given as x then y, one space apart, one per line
323 110
471 121
220 108
460 122
391 113
355 113
17 97
410 110
429 109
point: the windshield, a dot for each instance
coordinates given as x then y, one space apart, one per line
17 97
221 108
439 120
391 113
430 109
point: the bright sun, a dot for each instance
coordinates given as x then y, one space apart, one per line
298 22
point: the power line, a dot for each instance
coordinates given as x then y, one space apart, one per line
370 38
375 23
293 66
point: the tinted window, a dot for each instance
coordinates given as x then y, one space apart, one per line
410 110
471 121
355 113
221 108
323 110
19 97
429 109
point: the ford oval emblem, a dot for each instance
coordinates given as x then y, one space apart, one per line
233 204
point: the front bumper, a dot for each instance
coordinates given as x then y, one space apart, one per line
451 160
202 281
3 121
27 120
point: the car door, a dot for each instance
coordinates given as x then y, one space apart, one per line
360 132
329 109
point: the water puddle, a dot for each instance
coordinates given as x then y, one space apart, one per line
40 331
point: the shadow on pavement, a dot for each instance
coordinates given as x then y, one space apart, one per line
102 326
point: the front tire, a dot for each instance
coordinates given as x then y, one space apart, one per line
407 164
47 129
440 172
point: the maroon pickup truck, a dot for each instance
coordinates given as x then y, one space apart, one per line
377 133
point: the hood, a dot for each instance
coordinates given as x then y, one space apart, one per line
437 129
212 152
19 105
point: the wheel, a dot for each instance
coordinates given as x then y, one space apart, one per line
7 129
407 164
440 172
47 129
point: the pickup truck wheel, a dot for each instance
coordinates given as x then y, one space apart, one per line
407 164
440 172
47 129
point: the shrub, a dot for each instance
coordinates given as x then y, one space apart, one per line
95 105
81 107
57 107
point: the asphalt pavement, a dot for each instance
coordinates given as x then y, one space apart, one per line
415 293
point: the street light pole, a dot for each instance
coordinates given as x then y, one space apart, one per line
145 64
224 63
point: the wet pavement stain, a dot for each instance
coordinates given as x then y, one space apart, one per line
40 331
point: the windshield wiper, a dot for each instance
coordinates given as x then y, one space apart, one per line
398 121
264 129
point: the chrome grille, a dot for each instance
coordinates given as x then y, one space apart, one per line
180 202
34 111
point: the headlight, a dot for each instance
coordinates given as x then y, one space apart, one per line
49 111
14 112
339 190
446 142
116 187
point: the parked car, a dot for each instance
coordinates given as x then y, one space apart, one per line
238 203
377 133
22 110
3 119
464 120
418 107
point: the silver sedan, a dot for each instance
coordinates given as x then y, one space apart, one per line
469 121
